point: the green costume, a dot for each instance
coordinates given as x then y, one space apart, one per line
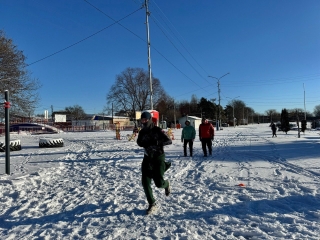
154 171
152 139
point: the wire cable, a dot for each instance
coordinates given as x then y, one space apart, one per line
178 37
86 38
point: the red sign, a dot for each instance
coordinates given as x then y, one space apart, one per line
6 104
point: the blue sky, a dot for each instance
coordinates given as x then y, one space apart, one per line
271 49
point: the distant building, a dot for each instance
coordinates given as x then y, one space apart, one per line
194 121
60 116
124 121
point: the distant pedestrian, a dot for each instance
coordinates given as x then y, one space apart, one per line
152 139
187 137
206 135
274 129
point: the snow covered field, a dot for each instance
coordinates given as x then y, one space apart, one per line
90 188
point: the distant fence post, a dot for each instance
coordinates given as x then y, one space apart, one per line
7 130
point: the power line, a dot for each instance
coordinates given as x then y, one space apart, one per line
245 83
178 37
203 88
86 38
273 81
181 53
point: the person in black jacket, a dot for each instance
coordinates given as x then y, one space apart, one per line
274 129
152 139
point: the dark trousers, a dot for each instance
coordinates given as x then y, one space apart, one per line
206 142
274 133
185 143
153 168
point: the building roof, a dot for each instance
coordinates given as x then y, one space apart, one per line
192 117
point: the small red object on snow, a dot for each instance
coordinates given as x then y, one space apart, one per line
241 185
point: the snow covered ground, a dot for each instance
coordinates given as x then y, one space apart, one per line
90 188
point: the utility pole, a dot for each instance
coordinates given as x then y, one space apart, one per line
304 97
218 117
234 122
298 123
218 125
243 116
149 55
52 116
174 114
112 112
7 130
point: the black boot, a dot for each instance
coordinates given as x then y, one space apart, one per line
152 208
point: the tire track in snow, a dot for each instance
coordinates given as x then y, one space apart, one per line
283 163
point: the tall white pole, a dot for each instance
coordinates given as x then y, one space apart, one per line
7 130
304 97
243 115
218 125
174 114
149 58
234 125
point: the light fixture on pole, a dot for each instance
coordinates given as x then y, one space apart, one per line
218 118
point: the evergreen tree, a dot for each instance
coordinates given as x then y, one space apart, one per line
208 108
285 127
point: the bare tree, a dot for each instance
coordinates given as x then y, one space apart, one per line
194 105
15 78
76 112
249 114
316 111
239 107
184 107
271 113
296 113
131 91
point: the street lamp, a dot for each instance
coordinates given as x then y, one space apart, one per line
218 118
232 99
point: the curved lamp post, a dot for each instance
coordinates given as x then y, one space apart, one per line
218 118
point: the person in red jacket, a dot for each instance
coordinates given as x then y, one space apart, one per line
206 135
